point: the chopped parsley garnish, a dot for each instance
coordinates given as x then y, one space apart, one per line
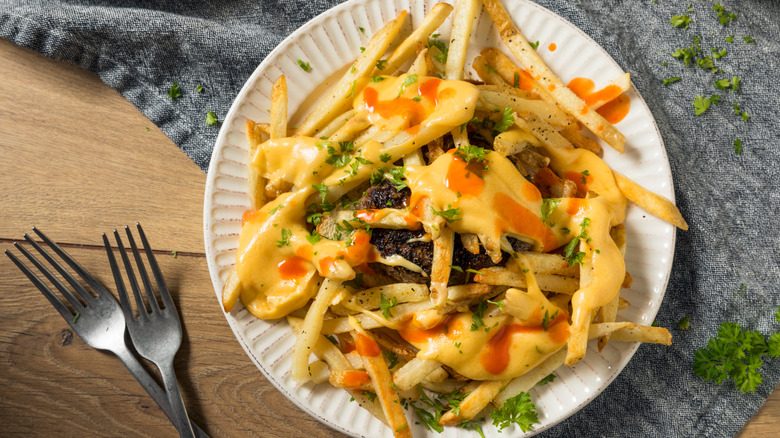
738 146
410 79
570 252
475 425
381 64
706 63
680 21
314 237
277 208
441 57
730 39
76 317
352 89
285 241
376 79
476 317
719 54
506 122
385 304
670 80
175 254
547 318
701 104
397 178
356 283
361 30
518 410
547 380
722 84
684 323
548 205
777 314
499 304
534 45
456 268
749 40
391 358
723 15
199 88
339 160
470 153
304 65
211 118
450 214
686 55
516 81
474 271
174 92
736 354
735 84
385 158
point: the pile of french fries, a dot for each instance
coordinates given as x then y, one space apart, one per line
548 115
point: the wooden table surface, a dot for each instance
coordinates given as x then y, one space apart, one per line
79 160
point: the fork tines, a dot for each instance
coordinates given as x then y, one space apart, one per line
154 306
85 296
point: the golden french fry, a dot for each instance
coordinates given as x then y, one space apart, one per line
580 141
351 379
339 99
349 129
515 76
406 49
440 270
381 380
542 74
654 204
231 290
257 182
528 380
279 108
413 372
643 333
420 66
465 14
547 282
474 402
310 332
623 82
541 109
487 72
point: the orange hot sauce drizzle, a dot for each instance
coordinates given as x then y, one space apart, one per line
292 268
366 346
462 180
413 334
366 215
354 379
617 105
552 47
411 110
495 355
576 177
525 81
513 216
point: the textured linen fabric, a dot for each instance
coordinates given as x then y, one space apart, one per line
729 200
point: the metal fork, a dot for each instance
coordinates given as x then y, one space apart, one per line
156 334
98 320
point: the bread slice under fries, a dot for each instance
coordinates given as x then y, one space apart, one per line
361 326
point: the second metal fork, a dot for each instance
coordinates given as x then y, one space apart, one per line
157 333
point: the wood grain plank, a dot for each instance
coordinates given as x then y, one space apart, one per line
77 157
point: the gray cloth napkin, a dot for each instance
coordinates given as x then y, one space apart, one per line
731 201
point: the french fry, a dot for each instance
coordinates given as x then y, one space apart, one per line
515 76
420 66
310 332
487 73
541 109
397 292
319 372
351 379
643 333
547 282
336 360
351 128
279 108
257 182
382 218
580 141
528 380
474 402
381 380
353 80
542 74
413 372
623 82
400 313
406 49
465 14
337 123
654 204
440 271
231 290
544 263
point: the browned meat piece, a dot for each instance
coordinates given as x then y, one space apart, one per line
384 195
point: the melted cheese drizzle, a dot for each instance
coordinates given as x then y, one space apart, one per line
280 269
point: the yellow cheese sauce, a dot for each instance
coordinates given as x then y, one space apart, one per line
281 265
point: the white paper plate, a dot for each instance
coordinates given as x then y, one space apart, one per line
329 43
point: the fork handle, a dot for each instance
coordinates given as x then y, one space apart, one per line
152 388
174 397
